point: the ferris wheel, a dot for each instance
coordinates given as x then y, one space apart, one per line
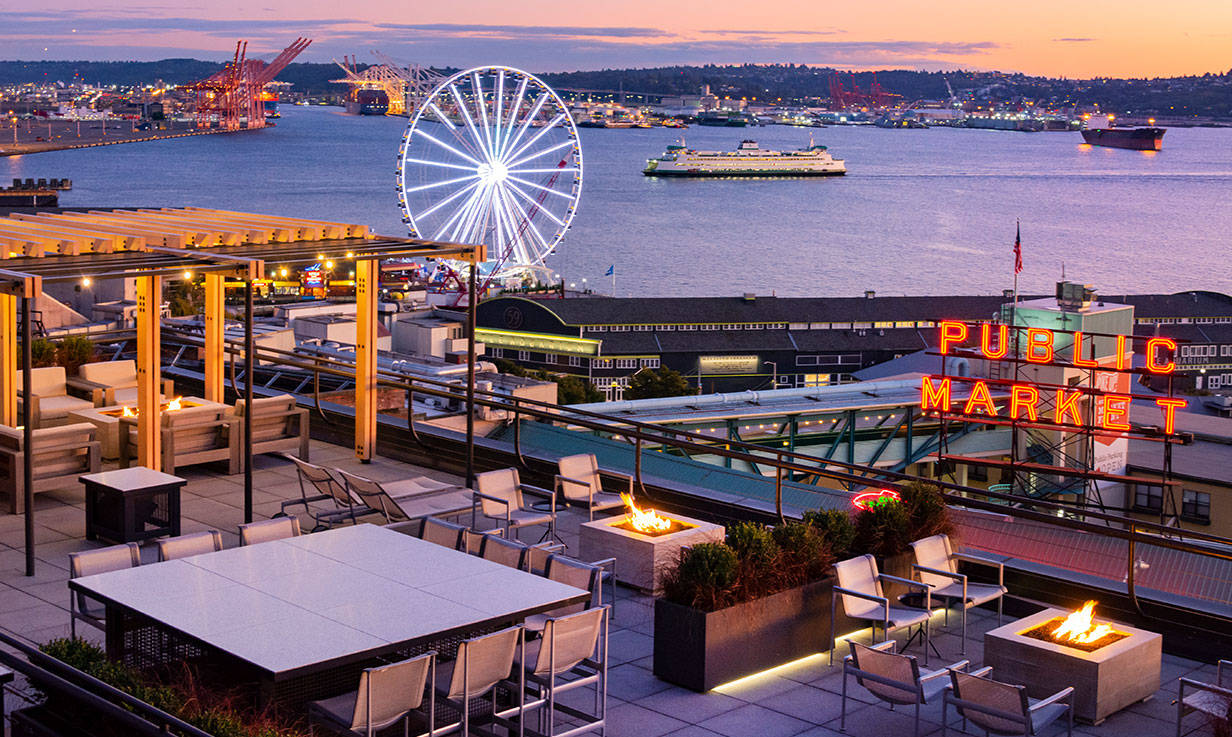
492 157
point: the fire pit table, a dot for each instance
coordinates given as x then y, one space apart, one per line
643 556
1108 673
107 420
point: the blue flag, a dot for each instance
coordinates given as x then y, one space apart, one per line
611 270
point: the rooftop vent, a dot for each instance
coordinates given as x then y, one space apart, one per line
869 294
750 297
1071 296
1007 293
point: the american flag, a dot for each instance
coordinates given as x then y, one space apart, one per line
1018 250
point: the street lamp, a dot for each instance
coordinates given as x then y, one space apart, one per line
774 377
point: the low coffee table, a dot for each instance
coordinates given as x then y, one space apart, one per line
132 504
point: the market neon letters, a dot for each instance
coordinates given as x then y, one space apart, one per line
1038 346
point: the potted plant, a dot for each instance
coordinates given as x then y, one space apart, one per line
886 527
731 609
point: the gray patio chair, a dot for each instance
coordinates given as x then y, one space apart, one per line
1002 708
194 543
572 647
440 532
936 564
328 487
269 530
859 584
386 695
499 550
537 557
577 574
895 679
580 480
88 563
1211 699
481 664
499 494
418 505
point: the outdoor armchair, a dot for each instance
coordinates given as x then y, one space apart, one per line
936 564
482 663
497 549
386 695
277 425
859 589
500 498
893 678
1211 699
537 557
88 563
189 436
570 654
1002 708
378 497
269 530
60 455
440 532
580 480
50 401
110 383
194 543
327 487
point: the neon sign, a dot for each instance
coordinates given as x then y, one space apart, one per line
867 499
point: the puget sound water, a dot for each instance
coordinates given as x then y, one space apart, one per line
920 211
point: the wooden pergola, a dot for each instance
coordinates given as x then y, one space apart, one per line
149 245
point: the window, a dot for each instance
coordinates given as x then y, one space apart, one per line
496 352
575 360
601 363
1148 498
977 473
709 326
598 328
619 328
523 355
1196 506
665 328
650 363
626 363
686 327
551 358
643 328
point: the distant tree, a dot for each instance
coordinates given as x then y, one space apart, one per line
660 382
570 389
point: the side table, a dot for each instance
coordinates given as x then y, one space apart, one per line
132 504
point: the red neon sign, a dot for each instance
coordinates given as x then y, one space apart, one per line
867 499
1038 346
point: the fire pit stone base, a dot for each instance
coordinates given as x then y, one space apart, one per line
1105 680
641 559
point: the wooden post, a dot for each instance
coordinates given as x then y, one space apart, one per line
215 324
367 284
149 370
8 360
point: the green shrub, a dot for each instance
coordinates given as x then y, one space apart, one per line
43 352
926 510
883 529
804 555
753 544
835 527
703 577
74 351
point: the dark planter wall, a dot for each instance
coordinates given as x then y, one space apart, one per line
701 650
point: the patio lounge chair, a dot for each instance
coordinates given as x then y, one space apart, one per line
416 505
189 436
88 563
863 598
499 494
60 455
481 664
277 425
580 480
194 543
1209 699
50 401
328 487
1001 708
269 530
109 383
893 678
936 563
577 574
574 646
386 695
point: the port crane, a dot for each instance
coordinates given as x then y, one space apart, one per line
405 87
231 97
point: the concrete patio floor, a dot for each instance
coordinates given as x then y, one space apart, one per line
802 698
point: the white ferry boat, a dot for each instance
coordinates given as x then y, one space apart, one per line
749 160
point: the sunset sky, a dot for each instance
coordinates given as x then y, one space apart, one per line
1051 37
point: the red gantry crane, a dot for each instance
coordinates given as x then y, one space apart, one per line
232 95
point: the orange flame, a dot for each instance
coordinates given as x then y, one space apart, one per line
175 404
127 411
1080 626
645 520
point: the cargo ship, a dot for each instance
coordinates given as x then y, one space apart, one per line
749 160
1102 132
368 102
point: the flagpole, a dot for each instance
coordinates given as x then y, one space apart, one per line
1017 255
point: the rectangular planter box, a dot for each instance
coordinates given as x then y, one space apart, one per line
700 650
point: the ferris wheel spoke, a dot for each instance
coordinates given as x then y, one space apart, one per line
449 148
496 114
530 117
549 190
455 129
443 183
467 224
530 224
517 244
455 220
513 114
440 114
553 170
466 117
439 164
536 205
544 152
482 114
447 200
542 132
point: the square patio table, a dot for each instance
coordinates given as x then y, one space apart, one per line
132 504
303 616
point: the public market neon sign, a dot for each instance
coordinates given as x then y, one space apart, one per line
1065 408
